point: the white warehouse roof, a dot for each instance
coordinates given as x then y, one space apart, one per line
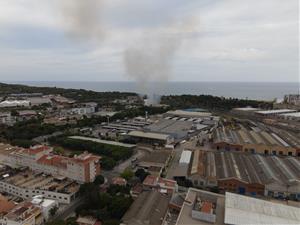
295 114
240 209
185 157
276 111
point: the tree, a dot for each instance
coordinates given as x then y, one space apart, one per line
127 174
141 174
58 150
99 180
111 222
119 205
53 210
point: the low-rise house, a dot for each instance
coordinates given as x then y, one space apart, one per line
160 184
24 115
7 119
23 214
119 181
46 205
5 206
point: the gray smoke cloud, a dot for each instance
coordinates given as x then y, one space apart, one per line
82 19
150 60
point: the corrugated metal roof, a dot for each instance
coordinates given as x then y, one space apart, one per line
240 209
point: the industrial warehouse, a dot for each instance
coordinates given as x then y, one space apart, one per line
244 173
253 140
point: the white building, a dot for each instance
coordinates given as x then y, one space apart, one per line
83 110
14 103
7 119
46 205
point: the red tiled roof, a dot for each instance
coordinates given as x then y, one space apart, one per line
5 205
150 180
119 181
206 207
153 181
85 158
53 160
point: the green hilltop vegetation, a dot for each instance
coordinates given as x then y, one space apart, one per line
212 103
79 95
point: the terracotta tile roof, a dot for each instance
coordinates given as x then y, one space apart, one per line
5 205
53 160
119 181
153 181
207 207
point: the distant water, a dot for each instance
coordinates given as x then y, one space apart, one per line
259 91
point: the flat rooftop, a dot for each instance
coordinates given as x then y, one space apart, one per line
193 195
158 156
177 128
103 141
185 113
295 114
276 111
148 209
240 209
28 179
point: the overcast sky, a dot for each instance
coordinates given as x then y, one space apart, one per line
215 40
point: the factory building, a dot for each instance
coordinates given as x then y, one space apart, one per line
250 174
151 138
253 141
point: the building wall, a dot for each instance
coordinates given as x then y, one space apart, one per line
276 189
255 148
28 193
237 186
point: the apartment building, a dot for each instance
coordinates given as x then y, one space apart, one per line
81 168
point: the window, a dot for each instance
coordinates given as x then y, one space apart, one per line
273 152
266 152
290 153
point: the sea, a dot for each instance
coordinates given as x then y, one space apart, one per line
241 90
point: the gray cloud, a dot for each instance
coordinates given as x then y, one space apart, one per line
82 19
